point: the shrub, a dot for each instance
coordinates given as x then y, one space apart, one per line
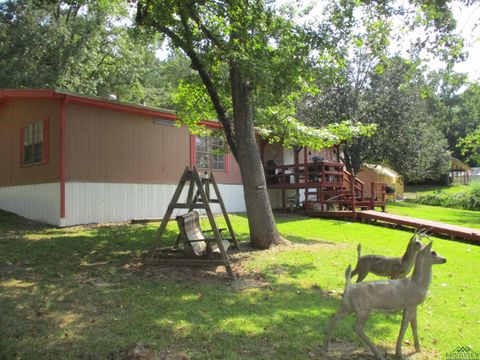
475 188
467 200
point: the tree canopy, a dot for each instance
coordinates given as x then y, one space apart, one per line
314 72
88 47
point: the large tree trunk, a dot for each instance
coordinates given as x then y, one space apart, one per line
263 230
352 158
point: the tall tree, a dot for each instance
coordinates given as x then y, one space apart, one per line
251 61
82 46
407 139
371 86
463 121
470 147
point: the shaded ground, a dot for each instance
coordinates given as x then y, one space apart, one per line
84 293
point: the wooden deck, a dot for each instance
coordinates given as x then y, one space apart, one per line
435 227
326 186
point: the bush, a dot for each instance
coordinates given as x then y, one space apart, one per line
466 200
475 188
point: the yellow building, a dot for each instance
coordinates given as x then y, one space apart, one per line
377 173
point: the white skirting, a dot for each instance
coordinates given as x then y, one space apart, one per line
39 202
87 203
109 202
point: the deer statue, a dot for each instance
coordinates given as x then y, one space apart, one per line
387 295
392 267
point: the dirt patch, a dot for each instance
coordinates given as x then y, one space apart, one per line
246 277
141 351
341 349
344 350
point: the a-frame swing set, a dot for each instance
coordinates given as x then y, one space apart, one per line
192 247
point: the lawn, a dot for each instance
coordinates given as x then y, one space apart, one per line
83 293
436 213
412 191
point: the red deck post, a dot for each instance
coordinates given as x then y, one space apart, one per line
305 167
372 194
352 192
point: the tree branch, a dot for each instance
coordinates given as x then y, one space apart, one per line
210 87
186 44
208 34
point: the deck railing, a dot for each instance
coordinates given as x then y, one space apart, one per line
359 185
315 172
328 186
378 192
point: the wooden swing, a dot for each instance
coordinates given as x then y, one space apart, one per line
193 246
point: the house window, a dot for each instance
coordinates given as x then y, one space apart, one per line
209 153
34 144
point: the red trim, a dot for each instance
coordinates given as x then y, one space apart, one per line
211 124
46 140
226 161
62 155
122 107
193 152
99 103
193 156
22 138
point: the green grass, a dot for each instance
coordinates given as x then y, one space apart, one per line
80 293
414 190
436 213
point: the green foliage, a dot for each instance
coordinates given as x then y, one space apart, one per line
293 133
87 47
466 200
475 188
413 190
366 83
470 147
270 52
407 137
458 116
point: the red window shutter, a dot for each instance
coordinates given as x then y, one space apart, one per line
46 137
226 161
192 151
22 138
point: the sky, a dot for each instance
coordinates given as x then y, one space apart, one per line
468 25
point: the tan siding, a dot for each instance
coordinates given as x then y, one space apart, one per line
15 114
367 176
232 176
110 146
273 152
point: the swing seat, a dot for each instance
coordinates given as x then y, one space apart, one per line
195 243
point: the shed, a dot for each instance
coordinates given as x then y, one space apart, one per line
378 173
460 172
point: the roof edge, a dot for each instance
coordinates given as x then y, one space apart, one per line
87 100
69 97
